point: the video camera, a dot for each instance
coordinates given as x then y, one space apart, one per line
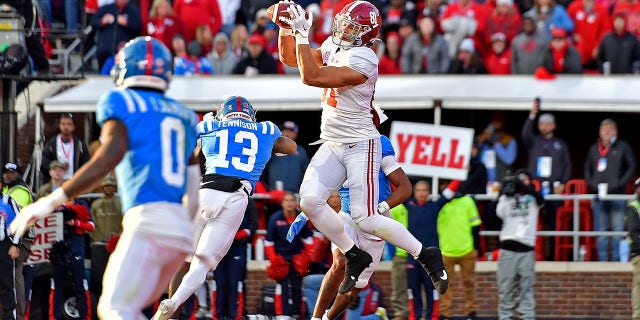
512 185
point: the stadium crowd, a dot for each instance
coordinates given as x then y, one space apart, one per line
541 37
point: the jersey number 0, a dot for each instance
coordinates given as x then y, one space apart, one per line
173 164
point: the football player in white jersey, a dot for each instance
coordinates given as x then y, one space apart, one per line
347 68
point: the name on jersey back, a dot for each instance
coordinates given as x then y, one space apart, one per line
240 123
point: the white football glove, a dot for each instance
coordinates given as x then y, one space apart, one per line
299 23
39 209
383 208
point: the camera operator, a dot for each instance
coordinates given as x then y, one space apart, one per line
67 256
518 207
35 49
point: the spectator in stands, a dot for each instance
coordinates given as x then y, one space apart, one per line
205 38
288 170
64 147
56 172
632 222
239 37
462 19
425 51
399 281
178 48
109 63
561 57
476 182
14 186
548 16
498 149
163 23
35 48
527 47
116 22
289 260
498 60
71 15
228 11
406 27
549 161
196 13
194 63
619 48
261 20
459 235
222 59
467 60
422 224
434 9
390 62
107 212
611 164
504 19
592 23
270 34
394 12
258 61
328 9
518 207
631 10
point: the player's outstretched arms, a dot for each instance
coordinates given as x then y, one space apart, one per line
329 76
284 145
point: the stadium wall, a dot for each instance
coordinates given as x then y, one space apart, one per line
564 290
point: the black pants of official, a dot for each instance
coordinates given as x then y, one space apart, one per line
7 282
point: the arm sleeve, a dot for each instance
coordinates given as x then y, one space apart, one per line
527 133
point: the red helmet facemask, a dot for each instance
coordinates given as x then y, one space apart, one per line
356 25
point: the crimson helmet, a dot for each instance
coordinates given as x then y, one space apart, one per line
356 25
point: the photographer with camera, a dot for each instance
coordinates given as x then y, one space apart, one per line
67 256
518 207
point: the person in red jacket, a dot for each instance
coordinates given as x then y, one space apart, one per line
504 19
390 61
194 13
499 59
163 24
592 23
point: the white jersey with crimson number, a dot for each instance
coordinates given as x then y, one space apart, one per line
346 111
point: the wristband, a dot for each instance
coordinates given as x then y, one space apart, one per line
300 39
58 197
285 32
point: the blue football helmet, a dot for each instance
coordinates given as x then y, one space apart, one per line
236 107
145 62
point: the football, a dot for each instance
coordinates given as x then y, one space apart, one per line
278 12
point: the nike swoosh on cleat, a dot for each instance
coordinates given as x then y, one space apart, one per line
444 277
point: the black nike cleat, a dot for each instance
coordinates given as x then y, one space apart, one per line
431 260
357 261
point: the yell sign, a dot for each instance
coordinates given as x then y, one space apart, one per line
48 231
432 151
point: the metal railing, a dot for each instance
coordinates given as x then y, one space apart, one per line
576 233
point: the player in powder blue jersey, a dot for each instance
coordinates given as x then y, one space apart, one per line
151 139
390 172
236 149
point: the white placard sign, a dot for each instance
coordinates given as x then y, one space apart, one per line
432 151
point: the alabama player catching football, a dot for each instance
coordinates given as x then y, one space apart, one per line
346 68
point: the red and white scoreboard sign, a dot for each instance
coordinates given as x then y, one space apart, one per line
48 231
432 151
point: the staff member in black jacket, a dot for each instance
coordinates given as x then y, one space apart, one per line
64 147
